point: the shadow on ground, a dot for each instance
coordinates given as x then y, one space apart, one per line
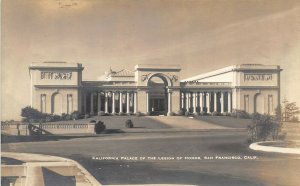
22 139
10 161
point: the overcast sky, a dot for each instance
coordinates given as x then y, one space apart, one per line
200 35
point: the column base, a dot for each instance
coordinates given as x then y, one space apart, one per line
170 114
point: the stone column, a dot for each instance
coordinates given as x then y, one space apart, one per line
147 101
222 102
127 103
92 103
201 101
113 103
229 102
169 102
106 102
84 102
135 102
182 100
34 175
121 102
195 102
215 102
208 102
99 102
187 105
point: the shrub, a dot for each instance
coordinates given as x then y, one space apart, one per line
31 113
63 116
68 117
49 118
215 113
187 113
233 114
101 113
147 113
226 114
138 114
86 116
180 112
196 114
75 115
128 123
240 114
57 118
171 114
122 114
202 113
81 116
99 127
263 127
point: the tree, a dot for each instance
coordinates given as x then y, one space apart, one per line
289 110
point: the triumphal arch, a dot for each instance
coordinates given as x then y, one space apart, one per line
57 87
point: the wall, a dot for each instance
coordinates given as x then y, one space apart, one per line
57 80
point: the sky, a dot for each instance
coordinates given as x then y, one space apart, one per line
199 35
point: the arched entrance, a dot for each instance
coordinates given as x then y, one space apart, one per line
158 95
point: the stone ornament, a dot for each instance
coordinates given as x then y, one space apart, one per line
145 77
56 75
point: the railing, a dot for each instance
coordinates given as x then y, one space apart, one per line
62 126
193 83
46 128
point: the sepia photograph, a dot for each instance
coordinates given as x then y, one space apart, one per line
150 92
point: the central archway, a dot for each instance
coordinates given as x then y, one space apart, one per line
158 95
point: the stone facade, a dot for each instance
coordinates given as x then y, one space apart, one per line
57 87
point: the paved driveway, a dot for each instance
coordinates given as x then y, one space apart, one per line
263 169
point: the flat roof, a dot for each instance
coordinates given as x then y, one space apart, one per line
243 67
55 64
157 66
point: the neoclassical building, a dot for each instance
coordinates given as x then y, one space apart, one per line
57 87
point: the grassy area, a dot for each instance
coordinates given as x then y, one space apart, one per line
118 122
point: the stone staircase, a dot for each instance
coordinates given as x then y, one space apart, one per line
43 170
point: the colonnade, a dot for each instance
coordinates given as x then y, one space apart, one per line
169 97
206 101
111 99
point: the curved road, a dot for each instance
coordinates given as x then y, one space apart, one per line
203 158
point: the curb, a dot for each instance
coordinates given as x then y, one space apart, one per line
258 146
44 158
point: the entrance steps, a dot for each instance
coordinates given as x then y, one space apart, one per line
182 122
